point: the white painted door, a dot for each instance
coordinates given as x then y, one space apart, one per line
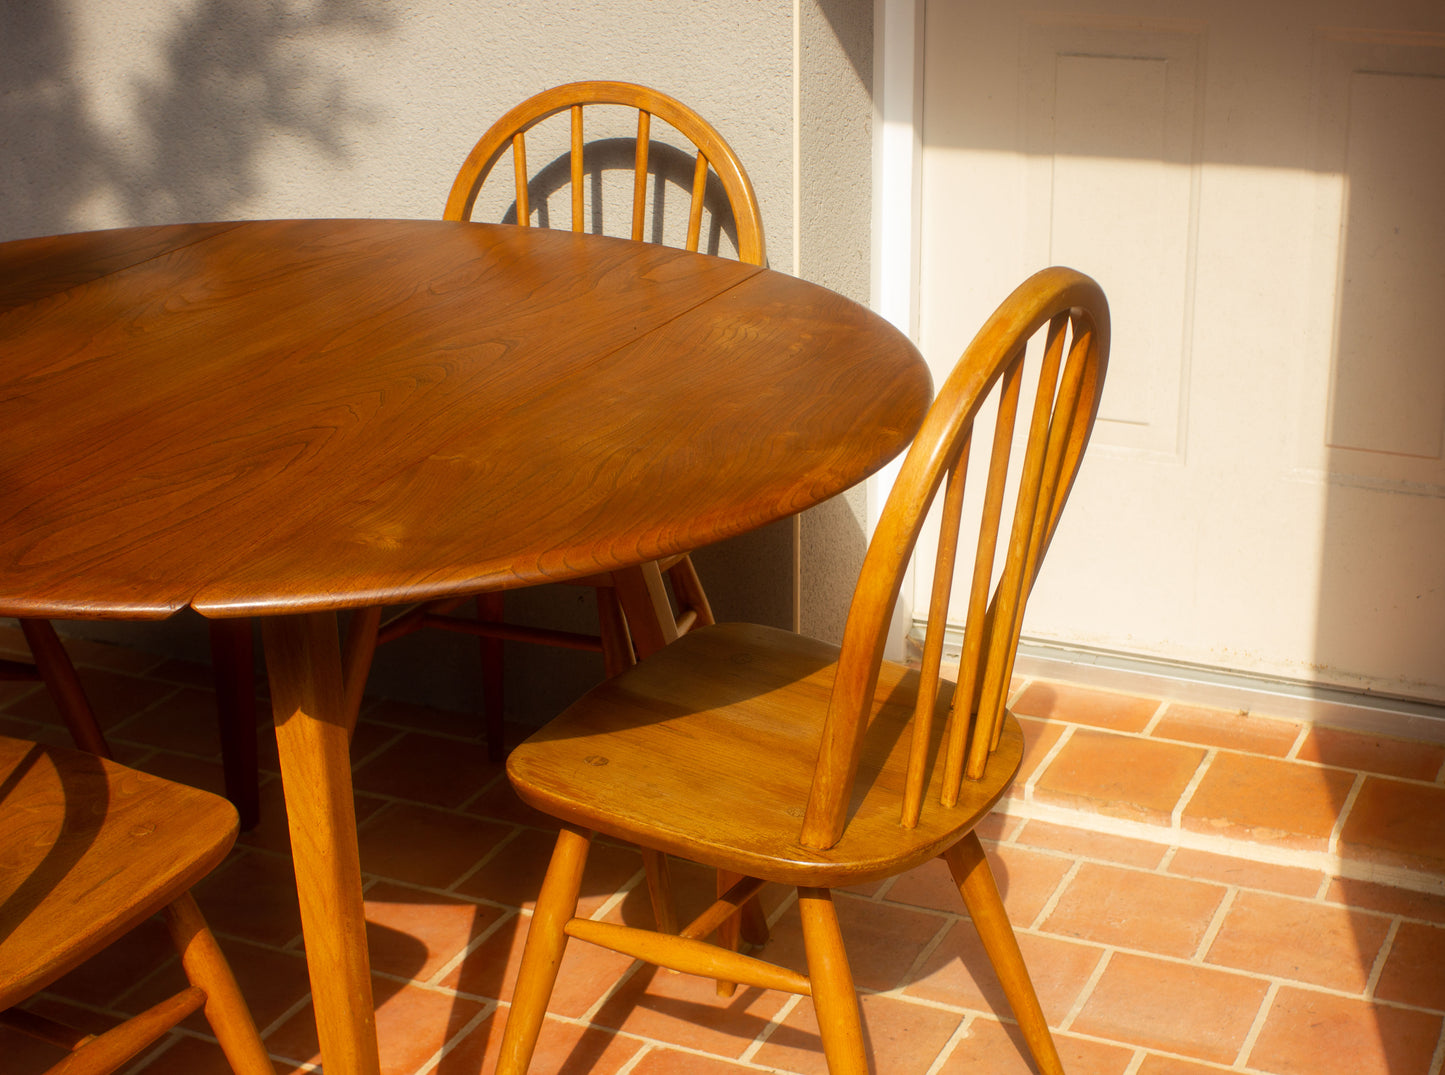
1260 189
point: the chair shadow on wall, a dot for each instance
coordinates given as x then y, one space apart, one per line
669 173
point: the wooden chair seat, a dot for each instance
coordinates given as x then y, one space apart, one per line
88 850
777 758
747 701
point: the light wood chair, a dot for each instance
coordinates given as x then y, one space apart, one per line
88 850
715 164
776 758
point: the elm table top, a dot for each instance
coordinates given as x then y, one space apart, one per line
287 418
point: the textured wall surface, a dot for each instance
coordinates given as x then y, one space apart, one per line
154 111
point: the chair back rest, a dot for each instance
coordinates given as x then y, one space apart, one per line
714 156
1010 545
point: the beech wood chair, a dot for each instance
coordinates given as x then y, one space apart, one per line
90 849
777 758
714 163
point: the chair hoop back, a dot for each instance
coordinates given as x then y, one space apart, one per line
712 153
1066 402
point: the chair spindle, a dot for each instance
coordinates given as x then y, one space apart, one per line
639 177
519 165
938 601
576 162
1008 604
694 213
976 626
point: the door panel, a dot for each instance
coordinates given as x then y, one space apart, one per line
1258 191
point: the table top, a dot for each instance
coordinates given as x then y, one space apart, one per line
284 416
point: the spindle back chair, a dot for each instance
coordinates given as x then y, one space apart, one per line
617 641
772 757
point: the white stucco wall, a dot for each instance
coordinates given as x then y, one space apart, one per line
121 112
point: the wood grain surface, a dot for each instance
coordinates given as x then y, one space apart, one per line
286 416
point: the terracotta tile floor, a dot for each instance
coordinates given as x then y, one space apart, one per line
1194 890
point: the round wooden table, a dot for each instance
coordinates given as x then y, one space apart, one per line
287 418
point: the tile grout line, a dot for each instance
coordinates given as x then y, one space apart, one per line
769 1028
1381 957
1052 902
1216 923
961 1033
1087 991
1339 826
1292 754
1437 1062
1147 732
1241 1059
1047 760
1176 816
431 1063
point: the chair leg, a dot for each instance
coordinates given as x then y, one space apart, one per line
836 1001
60 679
491 608
617 655
233 671
356 657
687 588
225 1009
975 882
659 890
542 955
728 932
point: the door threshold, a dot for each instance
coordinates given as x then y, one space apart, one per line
1374 714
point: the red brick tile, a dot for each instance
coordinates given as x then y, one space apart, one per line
586 973
883 940
114 696
1281 803
674 1062
1309 1033
1372 753
959 973
1132 909
1227 728
412 934
427 769
104 978
1039 738
1207 866
1172 1007
24 1054
513 875
1369 896
272 982
200 1056
1025 878
497 800
1154 1064
412 1024
562 1049
1415 969
1079 705
252 896
679 1009
999 1049
1118 775
1397 824
422 846
457 724
902 1037
1081 843
1317 943
183 721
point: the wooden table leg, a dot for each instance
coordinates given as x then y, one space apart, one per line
643 596
303 661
